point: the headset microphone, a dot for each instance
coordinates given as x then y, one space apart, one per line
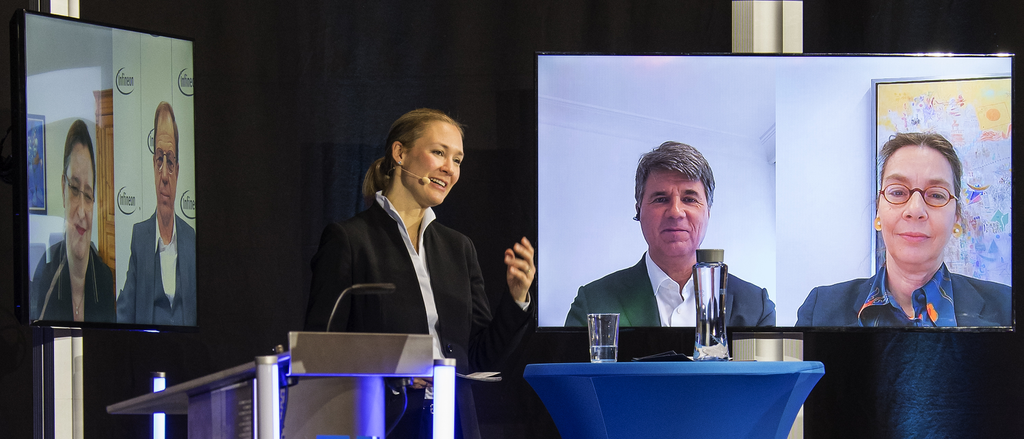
423 180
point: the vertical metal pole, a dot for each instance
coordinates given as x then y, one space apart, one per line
159 418
42 383
444 398
59 7
77 385
67 8
767 26
63 385
57 383
268 403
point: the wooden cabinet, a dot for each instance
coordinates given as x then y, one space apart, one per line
105 201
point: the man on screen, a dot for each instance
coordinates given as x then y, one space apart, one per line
160 288
674 191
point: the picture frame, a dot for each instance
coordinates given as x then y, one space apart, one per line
35 174
974 114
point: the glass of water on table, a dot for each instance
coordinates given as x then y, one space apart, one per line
603 330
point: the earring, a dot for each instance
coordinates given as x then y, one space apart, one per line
399 163
958 231
878 224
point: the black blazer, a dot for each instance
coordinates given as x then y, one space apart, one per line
99 289
976 303
369 248
629 293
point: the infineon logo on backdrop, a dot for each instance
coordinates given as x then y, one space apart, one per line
188 205
124 82
126 201
185 82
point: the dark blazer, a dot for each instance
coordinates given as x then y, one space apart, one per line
976 303
99 289
369 248
629 293
143 285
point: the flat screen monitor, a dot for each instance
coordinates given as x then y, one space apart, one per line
105 196
794 143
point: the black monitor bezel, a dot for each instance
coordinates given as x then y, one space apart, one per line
19 119
676 331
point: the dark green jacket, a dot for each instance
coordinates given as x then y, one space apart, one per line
629 293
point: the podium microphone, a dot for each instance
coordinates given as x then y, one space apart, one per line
359 289
423 180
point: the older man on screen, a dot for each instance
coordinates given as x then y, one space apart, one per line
160 288
674 192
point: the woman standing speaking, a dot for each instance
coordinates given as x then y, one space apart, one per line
439 286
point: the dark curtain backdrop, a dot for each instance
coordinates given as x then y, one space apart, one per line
293 101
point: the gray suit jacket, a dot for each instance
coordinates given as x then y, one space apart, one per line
143 285
629 293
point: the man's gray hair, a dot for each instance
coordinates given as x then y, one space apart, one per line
678 157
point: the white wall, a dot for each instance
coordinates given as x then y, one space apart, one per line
594 125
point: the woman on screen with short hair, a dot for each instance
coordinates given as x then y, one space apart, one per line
75 285
917 213
439 286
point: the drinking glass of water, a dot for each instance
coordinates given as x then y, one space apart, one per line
604 337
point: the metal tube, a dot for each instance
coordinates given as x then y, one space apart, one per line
268 398
444 398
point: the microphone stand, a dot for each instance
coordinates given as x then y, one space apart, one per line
366 289
359 289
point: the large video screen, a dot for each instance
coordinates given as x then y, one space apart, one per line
795 145
105 201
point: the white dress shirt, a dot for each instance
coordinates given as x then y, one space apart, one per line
675 307
419 262
168 262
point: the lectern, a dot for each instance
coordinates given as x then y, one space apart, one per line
338 388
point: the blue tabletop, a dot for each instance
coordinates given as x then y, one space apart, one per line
675 368
742 399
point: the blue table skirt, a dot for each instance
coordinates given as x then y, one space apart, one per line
674 399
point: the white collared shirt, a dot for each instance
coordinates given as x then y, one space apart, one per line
168 261
675 307
419 263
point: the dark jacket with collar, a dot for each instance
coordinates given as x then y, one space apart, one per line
143 286
976 303
629 293
369 248
99 289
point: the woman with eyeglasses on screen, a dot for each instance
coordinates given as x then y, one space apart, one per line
71 282
917 213
438 283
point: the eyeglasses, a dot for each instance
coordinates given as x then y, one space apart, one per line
77 192
935 196
166 159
